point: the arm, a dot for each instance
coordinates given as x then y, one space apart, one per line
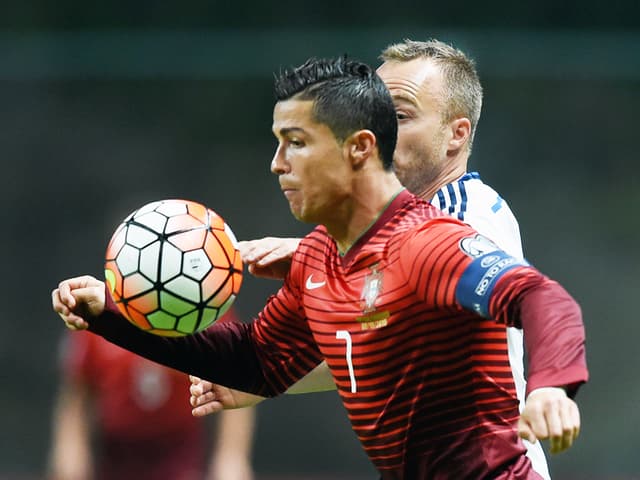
70 455
554 337
207 398
278 345
231 457
83 303
473 273
268 257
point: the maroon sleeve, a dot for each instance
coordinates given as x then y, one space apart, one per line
223 354
553 330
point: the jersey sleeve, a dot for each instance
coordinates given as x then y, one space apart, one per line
224 353
552 322
264 357
284 342
452 266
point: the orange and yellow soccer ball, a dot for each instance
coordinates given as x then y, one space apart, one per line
173 267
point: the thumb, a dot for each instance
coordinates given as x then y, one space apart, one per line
90 299
525 432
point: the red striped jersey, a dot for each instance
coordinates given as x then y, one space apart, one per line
411 321
474 202
425 379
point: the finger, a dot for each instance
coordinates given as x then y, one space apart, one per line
74 322
273 256
247 249
64 295
88 293
58 304
75 326
555 428
200 387
255 256
575 418
71 284
208 409
195 389
206 398
525 432
571 424
258 250
537 421
260 272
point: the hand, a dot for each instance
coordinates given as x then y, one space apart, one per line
207 398
550 414
269 257
77 299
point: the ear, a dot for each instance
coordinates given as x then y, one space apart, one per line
360 146
460 131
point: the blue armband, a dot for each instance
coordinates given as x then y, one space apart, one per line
480 277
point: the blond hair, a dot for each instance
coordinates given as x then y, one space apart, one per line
462 91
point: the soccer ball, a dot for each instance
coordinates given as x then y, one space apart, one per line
173 267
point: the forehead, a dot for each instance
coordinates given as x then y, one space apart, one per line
417 78
293 114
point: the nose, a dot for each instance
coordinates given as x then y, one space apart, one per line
278 162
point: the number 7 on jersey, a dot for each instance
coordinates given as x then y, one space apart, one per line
346 336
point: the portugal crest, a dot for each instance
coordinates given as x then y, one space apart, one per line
371 290
370 318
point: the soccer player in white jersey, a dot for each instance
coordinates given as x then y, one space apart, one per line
438 99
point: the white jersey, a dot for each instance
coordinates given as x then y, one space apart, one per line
477 204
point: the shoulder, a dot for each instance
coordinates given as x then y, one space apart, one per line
474 202
313 251
416 211
468 191
317 239
482 197
442 229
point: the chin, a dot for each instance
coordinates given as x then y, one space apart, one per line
296 214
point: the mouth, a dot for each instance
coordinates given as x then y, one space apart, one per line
288 192
286 188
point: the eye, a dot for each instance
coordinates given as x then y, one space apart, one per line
295 142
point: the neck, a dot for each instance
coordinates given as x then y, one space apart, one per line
368 200
455 169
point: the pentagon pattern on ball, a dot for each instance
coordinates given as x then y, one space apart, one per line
173 267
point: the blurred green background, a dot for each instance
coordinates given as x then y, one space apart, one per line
108 106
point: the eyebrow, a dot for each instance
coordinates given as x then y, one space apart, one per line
403 98
288 130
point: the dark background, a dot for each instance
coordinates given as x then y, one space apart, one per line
106 107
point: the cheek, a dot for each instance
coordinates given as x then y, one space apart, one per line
408 143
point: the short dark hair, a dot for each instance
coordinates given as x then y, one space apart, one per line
348 96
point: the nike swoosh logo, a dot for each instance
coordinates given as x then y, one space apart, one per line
311 285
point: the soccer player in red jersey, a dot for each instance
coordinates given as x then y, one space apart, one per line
406 305
438 98
120 416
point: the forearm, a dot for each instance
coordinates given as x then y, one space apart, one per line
317 380
553 330
70 456
222 354
233 444
554 339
